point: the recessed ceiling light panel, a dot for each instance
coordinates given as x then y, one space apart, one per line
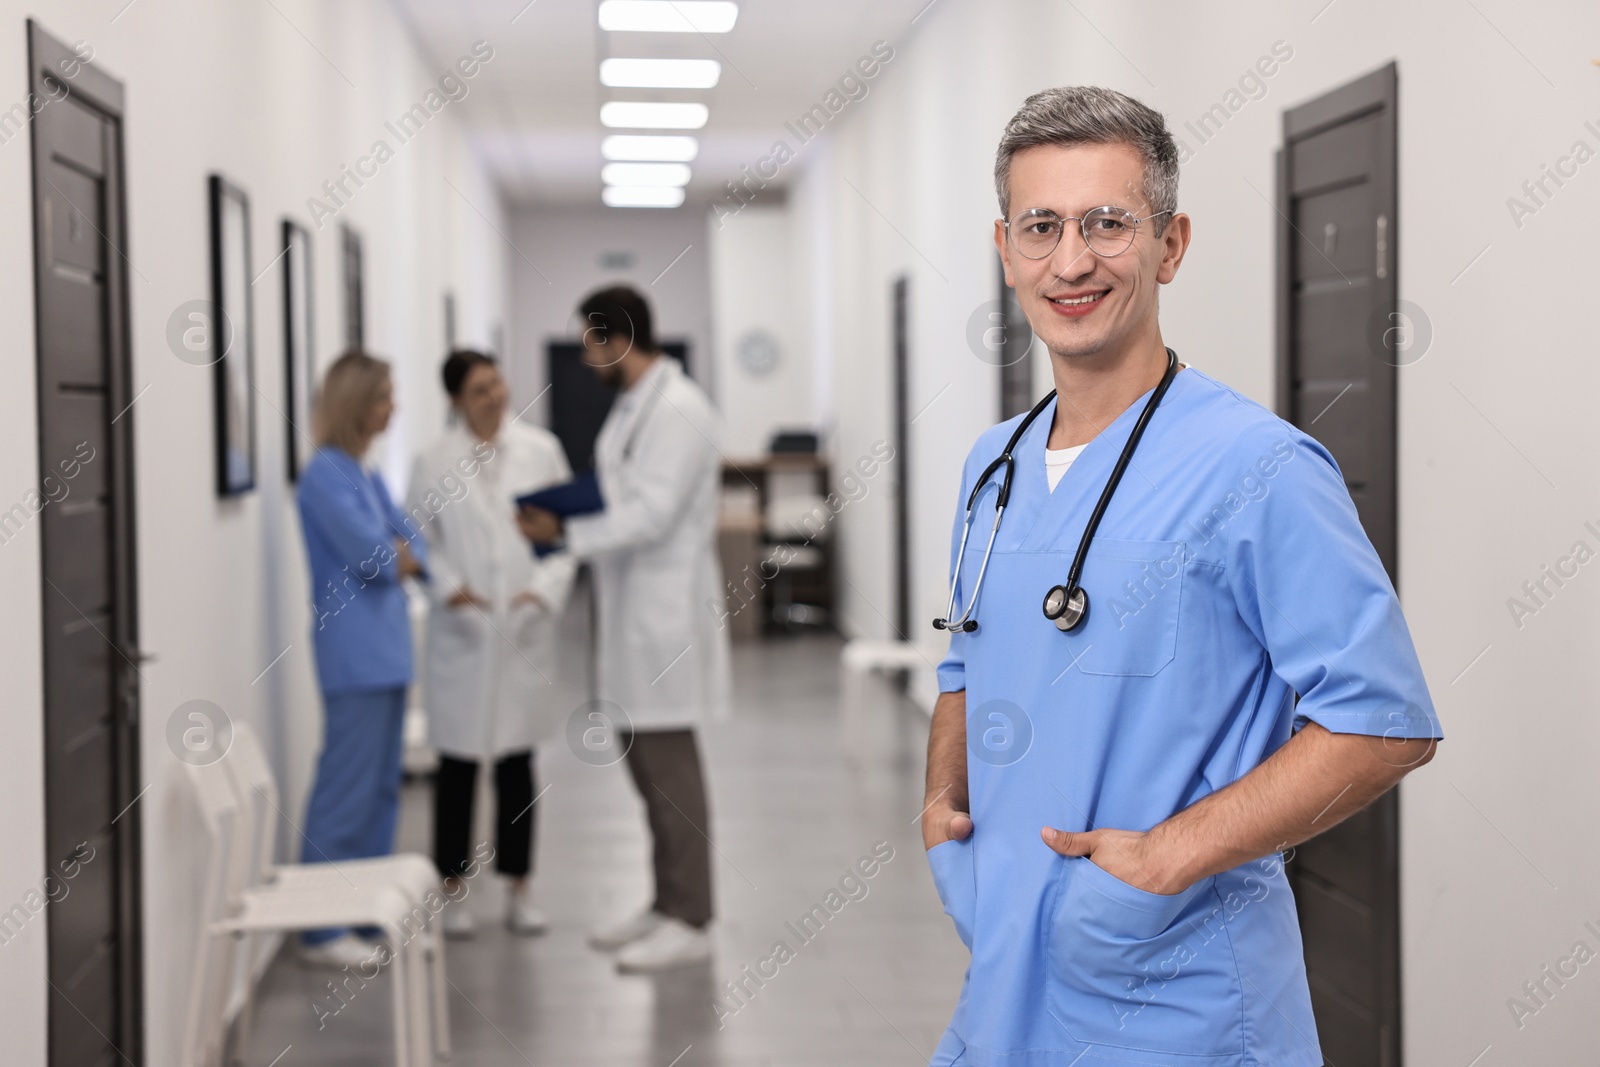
660 73
641 196
662 148
668 174
654 116
668 16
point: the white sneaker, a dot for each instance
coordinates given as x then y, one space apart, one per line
457 920
346 950
628 930
673 943
523 916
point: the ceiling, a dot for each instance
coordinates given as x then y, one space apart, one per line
534 109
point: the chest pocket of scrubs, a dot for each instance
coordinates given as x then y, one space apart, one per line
1135 593
1138 970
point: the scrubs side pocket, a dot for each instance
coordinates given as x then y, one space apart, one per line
1128 968
955 877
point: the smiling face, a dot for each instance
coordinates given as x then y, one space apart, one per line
482 400
1079 303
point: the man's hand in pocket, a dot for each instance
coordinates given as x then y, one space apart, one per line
942 822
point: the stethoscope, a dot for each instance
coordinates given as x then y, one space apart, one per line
1065 605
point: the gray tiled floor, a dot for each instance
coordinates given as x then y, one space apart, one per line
805 779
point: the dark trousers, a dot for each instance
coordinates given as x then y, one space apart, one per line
454 789
666 768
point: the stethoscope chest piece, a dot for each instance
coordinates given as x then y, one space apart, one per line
1066 607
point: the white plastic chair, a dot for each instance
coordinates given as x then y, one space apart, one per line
233 910
213 963
413 874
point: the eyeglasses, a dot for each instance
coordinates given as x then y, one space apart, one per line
1107 231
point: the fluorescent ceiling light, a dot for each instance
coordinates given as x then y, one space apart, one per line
653 116
645 174
668 16
660 73
642 196
665 148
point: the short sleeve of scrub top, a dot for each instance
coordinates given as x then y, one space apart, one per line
1311 588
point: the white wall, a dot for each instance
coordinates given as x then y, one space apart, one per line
240 89
904 188
557 262
1497 474
754 291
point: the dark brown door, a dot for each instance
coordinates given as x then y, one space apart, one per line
355 287
91 681
902 450
1339 346
1015 341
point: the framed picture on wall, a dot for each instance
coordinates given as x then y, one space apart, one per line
235 363
354 287
299 360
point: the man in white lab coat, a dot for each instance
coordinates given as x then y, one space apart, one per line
662 648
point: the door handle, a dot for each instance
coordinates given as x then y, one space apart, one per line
130 688
137 657
1383 246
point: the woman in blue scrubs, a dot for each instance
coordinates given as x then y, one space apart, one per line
360 550
1108 799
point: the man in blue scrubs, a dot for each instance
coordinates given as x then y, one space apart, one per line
1106 806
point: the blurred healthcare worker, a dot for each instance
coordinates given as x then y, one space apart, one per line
663 651
490 652
359 552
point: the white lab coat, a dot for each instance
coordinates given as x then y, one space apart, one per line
488 674
663 641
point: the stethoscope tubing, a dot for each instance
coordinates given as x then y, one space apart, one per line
1123 460
966 623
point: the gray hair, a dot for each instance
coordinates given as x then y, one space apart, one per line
1089 114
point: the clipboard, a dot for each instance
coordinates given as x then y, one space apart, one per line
580 496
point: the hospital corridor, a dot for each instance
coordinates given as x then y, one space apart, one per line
727 533
811 790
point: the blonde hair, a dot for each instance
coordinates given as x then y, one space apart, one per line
349 390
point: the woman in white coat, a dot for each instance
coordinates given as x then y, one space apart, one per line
491 642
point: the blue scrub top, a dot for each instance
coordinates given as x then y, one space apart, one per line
1229 574
360 627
